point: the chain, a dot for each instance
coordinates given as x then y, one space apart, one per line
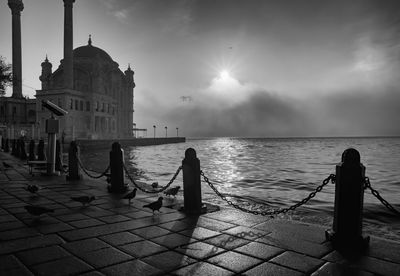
379 197
153 191
331 178
88 173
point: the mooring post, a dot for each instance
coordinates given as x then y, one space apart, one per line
117 169
73 166
191 183
40 151
349 198
31 156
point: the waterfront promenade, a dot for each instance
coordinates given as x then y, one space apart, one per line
111 237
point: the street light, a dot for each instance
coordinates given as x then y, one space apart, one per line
154 128
177 132
166 132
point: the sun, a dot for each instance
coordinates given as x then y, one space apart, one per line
224 75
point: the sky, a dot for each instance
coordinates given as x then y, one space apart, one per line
254 68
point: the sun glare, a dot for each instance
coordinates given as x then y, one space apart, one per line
224 75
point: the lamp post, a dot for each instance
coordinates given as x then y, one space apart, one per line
177 132
166 132
154 128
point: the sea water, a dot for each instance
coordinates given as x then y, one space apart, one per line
277 173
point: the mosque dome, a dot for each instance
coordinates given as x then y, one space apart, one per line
90 51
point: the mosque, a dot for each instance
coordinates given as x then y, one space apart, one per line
88 84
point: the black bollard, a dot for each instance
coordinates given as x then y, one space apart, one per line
58 165
31 156
117 169
192 183
6 146
22 150
349 198
40 151
73 166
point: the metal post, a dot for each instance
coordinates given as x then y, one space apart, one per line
349 196
73 166
192 183
117 169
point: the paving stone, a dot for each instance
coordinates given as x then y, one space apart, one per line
53 228
176 226
377 266
338 269
86 223
138 214
41 255
234 261
85 245
260 250
9 262
104 257
66 266
142 248
8 247
168 261
135 267
209 223
72 217
202 269
297 261
226 241
114 218
272 269
199 233
199 250
18 233
384 249
11 225
19 271
151 232
173 240
121 238
246 232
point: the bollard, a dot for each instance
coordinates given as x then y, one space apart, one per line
40 151
31 156
73 166
6 146
22 150
192 183
349 196
58 165
117 169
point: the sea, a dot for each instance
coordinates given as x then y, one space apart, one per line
276 173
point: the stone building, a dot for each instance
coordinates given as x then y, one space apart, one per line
90 86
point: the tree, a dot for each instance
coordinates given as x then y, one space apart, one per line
5 75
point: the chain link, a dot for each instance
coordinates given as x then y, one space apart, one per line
88 173
379 197
331 178
152 191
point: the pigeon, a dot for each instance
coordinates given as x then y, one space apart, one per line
37 210
6 165
172 191
154 185
130 195
83 199
32 189
156 205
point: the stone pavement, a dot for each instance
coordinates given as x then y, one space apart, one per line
110 237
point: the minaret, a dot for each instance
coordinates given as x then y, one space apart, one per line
46 73
131 85
68 44
16 7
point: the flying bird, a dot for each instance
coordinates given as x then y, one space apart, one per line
154 185
83 199
6 165
172 191
37 210
155 206
130 195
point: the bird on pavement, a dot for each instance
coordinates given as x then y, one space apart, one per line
37 210
130 195
83 199
6 165
172 191
154 185
155 206
32 188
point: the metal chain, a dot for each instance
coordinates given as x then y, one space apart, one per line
152 191
379 197
331 178
87 172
